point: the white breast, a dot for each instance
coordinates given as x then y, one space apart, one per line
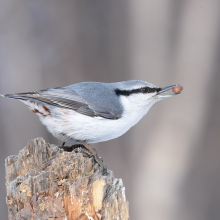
68 125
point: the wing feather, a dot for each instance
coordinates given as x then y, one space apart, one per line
65 98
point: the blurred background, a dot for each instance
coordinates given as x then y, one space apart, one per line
170 161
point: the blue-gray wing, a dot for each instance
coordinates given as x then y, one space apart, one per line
65 97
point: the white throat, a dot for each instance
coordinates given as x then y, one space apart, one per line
136 106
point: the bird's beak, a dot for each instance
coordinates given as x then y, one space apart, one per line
162 93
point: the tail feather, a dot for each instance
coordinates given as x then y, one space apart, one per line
8 95
13 96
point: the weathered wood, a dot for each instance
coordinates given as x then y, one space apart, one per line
46 182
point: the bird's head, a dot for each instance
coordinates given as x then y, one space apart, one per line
138 94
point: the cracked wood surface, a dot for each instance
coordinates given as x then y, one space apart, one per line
46 182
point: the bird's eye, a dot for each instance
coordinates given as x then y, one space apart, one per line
145 89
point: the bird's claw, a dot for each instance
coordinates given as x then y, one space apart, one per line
91 152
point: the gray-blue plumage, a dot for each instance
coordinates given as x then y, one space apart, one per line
93 111
88 98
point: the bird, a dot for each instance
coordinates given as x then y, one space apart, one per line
92 112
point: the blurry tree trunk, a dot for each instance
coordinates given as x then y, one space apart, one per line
46 182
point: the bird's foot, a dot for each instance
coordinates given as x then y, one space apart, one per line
93 153
87 149
67 148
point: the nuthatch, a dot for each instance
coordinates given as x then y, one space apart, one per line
93 112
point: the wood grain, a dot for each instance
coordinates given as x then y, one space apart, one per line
46 182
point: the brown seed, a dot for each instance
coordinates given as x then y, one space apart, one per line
177 89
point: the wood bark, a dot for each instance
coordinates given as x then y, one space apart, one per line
45 182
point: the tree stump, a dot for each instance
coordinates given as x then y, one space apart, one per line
46 182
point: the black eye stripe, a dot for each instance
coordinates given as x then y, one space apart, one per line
133 91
